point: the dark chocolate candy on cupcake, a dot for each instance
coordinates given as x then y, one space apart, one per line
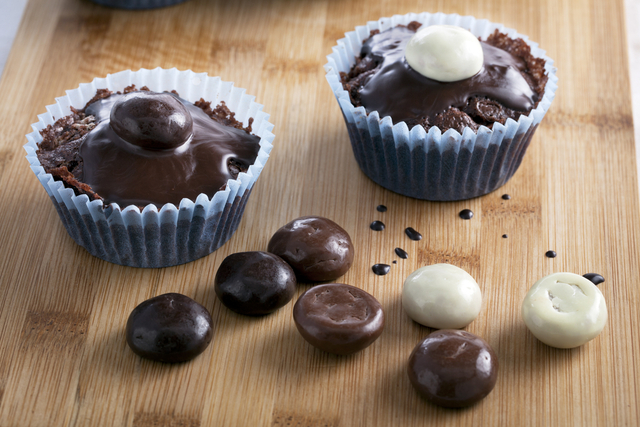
316 248
169 328
254 283
338 318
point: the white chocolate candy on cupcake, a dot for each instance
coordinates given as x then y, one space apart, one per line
564 310
445 53
441 296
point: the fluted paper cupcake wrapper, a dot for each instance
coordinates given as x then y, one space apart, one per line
434 165
172 235
137 4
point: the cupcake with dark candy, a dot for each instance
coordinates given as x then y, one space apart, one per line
145 177
440 107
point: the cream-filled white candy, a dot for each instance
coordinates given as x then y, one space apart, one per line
564 310
445 53
441 296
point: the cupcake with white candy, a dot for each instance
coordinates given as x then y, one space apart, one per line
440 107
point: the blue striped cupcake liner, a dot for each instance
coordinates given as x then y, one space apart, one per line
137 4
434 165
151 237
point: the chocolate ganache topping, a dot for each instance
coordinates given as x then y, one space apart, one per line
383 81
157 148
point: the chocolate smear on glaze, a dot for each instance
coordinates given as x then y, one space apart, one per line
412 234
510 83
595 278
377 226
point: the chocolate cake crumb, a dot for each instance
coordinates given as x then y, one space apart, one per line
222 115
414 25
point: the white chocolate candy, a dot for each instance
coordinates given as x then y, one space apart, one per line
445 53
564 310
441 296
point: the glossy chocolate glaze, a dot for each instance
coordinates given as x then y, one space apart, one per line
595 278
381 269
316 248
412 233
169 328
139 173
377 226
453 368
254 283
338 318
398 91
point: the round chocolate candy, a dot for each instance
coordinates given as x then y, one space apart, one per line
338 318
453 368
169 328
254 283
156 121
317 248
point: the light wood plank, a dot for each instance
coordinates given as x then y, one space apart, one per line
63 357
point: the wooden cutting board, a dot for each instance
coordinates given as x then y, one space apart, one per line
63 356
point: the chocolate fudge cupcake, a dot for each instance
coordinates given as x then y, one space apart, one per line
426 129
151 168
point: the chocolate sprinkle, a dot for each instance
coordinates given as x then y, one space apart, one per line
551 254
466 214
594 277
412 234
402 253
506 197
381 269
377 226
381 208
504 236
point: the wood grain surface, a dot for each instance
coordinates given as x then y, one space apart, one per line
63 356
